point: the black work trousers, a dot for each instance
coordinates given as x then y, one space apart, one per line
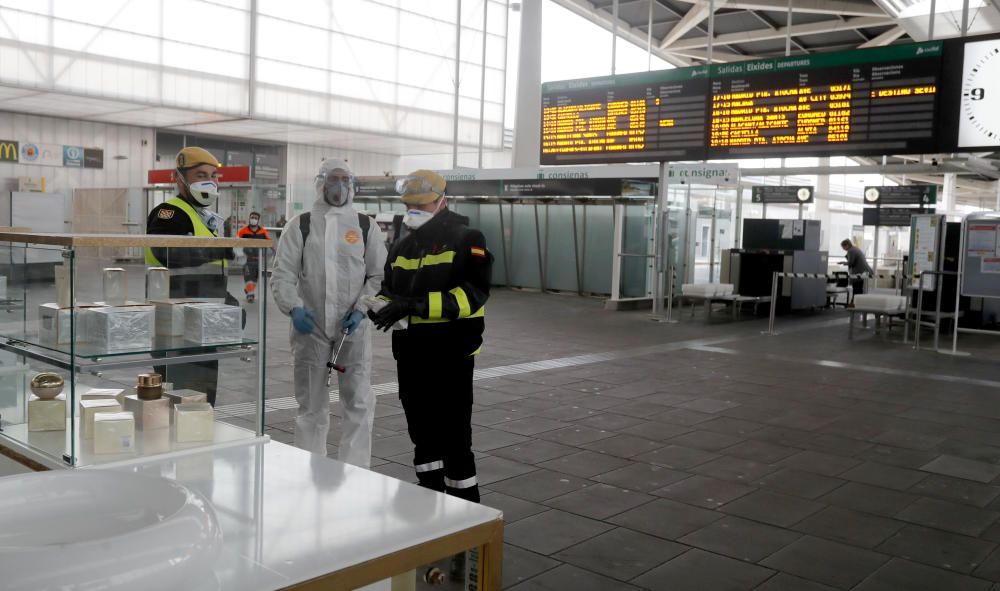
201 376
437 400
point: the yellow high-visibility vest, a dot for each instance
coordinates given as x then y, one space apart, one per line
200 229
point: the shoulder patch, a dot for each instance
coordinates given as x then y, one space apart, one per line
166 213
478 251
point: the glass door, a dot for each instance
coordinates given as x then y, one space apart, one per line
637 259
712 230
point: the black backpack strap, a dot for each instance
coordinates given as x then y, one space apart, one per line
365 222
304 220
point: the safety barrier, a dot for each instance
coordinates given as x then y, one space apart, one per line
919 313
668 318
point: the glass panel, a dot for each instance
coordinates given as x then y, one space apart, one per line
524 247
597 251
637 246
99 333
490 226
562 247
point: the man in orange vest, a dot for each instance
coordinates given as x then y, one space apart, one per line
254 231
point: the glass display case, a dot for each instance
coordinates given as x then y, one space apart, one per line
102 362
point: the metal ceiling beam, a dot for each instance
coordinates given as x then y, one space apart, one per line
692 19
890 169
819 28
774 27
719 58
885 38
632 34
834 7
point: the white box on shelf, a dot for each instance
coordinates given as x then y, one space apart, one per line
119 328
53 323
195 421
114 433
170 317
157 283
115 286
149 414
63 273
183 396
47 415
211 323
116 394
90 408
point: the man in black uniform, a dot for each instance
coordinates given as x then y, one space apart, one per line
194 272
437 280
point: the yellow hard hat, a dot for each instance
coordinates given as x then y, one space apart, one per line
194 156
421 187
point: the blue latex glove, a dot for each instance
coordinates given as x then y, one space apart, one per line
303 320
352 321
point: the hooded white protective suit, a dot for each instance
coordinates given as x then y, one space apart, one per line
328 280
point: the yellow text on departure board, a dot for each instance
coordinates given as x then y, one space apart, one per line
613 126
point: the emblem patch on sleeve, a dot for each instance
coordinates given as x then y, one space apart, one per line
166 214
478 251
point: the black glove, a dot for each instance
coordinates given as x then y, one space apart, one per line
397 309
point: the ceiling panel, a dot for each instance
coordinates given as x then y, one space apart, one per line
157 117
8 92
832 39
736 22
667 13
798 18
60 105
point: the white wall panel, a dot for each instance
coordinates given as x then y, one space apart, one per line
113 139
303 163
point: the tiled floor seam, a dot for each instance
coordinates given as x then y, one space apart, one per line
288 402
856 367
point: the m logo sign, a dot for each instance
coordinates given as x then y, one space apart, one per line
8 151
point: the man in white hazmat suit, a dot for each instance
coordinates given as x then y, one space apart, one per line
321 287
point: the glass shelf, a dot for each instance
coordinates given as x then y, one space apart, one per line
90 351
55 444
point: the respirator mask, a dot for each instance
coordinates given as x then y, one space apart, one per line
414 218
204 193
335 187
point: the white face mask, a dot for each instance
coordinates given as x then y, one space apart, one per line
415 218
254 222
204 193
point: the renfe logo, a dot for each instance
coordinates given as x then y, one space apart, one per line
9 150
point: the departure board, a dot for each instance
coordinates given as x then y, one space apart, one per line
885 100
874 101
650 116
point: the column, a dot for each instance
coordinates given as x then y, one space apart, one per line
528 109
946 200
822 198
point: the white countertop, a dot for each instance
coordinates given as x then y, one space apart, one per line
288 516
